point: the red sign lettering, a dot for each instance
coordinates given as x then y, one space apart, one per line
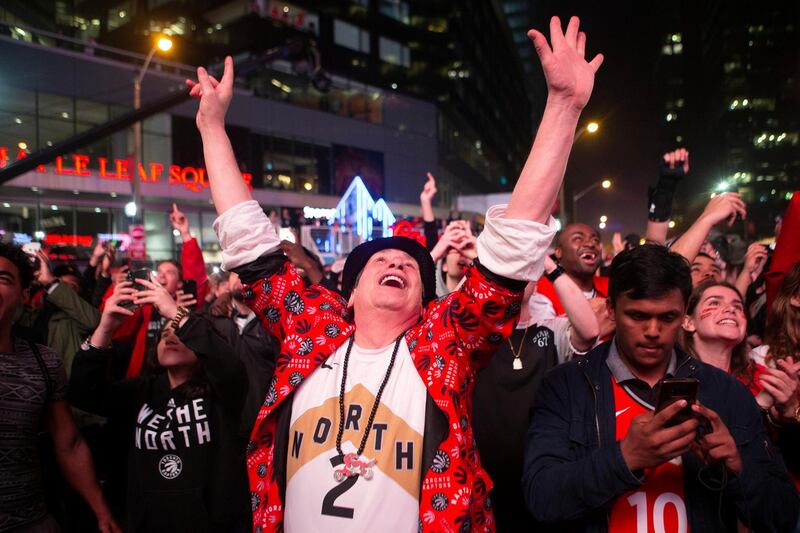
53 239
80 165
191 178
60 166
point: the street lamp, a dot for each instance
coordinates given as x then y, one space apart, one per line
131 209
605 184
164 44
591 128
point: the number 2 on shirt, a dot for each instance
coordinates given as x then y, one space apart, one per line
638 500
328 506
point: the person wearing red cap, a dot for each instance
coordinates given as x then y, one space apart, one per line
367 419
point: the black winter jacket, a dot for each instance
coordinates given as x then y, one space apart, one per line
574 469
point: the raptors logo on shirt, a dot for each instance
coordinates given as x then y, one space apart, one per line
170 466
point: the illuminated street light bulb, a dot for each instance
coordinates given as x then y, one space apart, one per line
130 209
602 225
606 184
592 127
603 218
671 224
164 44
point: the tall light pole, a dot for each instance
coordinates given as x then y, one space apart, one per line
591 128
605 184
164 44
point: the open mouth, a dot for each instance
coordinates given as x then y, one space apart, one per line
390 280
588 256
463 263
728 322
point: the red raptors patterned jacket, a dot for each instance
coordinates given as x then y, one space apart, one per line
453 339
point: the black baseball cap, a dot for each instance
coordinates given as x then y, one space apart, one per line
360 255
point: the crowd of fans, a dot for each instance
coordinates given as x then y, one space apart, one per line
512 381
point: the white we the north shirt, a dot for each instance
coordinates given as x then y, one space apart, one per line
315 501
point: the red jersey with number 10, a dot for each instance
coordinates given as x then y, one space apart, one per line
658 505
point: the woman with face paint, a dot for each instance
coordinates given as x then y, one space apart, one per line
714 330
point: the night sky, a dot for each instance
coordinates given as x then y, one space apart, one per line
627 147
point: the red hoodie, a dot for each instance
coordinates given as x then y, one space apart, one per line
787 249
134 330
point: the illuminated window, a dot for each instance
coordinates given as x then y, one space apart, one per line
776 139
350 36
673 45
120 14
396 9
739 103
731 66
393 52
763 104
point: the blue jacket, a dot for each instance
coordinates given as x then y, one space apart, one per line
574 469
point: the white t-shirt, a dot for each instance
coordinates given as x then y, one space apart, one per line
315 501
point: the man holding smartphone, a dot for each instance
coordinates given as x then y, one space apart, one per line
598 455
142 330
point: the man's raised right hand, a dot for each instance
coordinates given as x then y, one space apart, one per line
215 96
570 78
650 442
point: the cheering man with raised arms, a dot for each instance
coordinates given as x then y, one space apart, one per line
366 422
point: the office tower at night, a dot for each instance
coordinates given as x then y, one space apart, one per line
728 77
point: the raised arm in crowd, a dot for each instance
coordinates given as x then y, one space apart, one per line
674 167
389 314
185 464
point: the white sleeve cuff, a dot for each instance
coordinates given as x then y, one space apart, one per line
245 234
514 248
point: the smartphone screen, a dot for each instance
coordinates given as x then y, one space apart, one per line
673 389
190 287
142 273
